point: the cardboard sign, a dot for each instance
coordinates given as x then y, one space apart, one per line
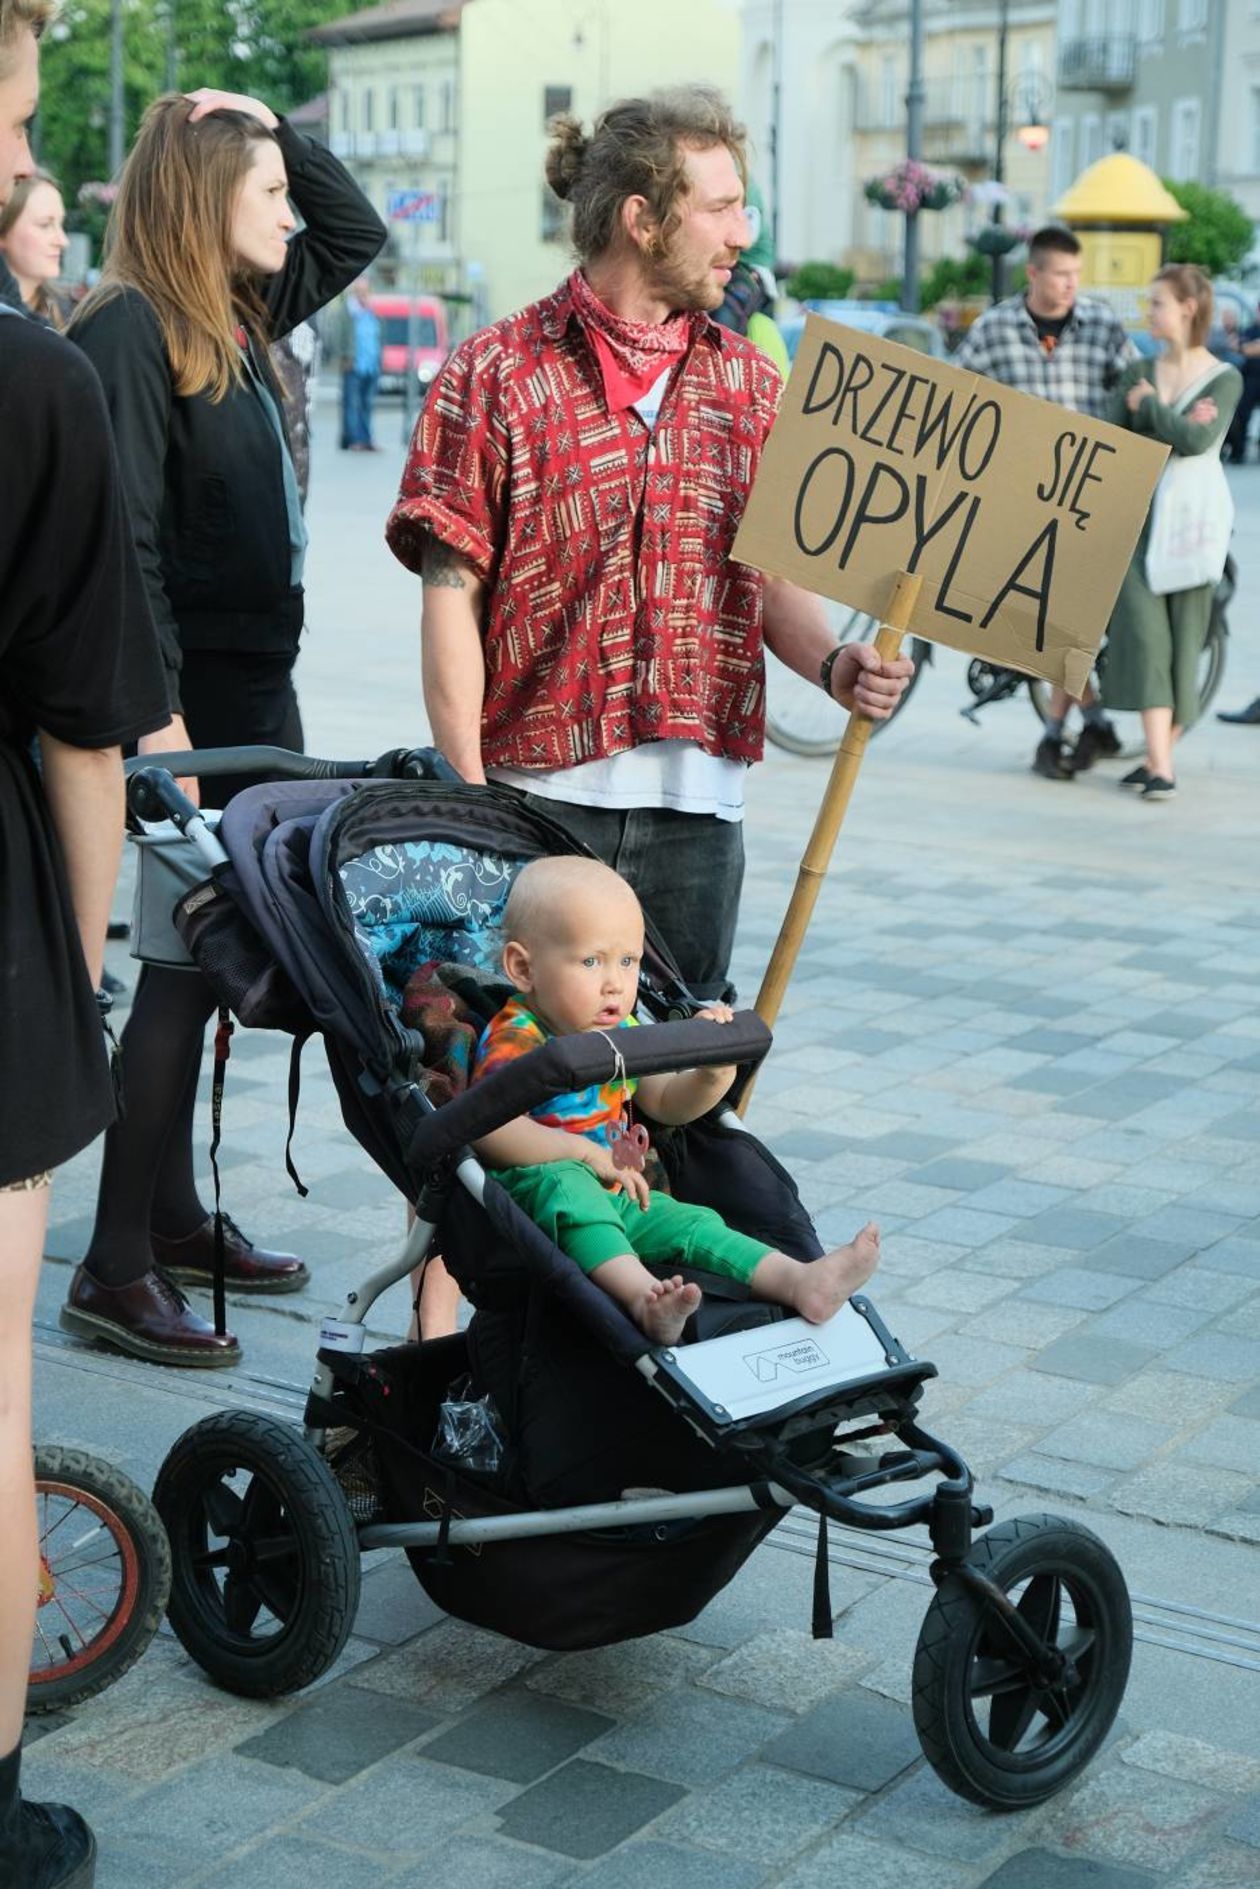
1021 516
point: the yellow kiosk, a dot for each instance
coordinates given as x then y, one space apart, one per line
1120 211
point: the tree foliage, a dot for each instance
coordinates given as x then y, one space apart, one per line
1218 235
253 46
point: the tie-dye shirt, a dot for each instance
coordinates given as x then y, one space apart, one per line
514 1031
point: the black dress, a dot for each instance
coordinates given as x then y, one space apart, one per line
79 659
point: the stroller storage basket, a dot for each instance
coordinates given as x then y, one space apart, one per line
560 1592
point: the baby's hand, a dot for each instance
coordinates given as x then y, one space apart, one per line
599 1159
717 1013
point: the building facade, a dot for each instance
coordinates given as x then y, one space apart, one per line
828 83
448 101
1175 82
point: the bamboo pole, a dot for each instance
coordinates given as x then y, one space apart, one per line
829 820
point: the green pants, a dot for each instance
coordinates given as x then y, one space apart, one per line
592 1226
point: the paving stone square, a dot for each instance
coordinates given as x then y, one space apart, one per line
517 1735
584 1809
862 1743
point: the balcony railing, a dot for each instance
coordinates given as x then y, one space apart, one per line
1105 63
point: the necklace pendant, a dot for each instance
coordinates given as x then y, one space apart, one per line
629 1147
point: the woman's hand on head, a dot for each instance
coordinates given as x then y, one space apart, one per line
207 100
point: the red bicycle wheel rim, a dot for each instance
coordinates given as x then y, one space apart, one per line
124 1608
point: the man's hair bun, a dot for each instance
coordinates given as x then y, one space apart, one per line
566 155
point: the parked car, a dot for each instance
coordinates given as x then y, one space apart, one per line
875 318
423 318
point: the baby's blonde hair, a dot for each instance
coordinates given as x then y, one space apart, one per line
543 892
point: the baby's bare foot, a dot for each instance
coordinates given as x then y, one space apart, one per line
666 1309
829 1281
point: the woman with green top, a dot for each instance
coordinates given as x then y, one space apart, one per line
1186 398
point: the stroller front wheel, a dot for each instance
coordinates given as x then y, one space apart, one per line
996 1725
265 1560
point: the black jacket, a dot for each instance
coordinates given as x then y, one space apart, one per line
204 480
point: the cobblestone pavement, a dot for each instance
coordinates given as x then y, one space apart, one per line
1024 1034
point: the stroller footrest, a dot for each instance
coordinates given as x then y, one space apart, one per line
755 1378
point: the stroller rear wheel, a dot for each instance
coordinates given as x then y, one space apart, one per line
997 1724
265 1559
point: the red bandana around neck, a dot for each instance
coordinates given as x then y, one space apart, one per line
632 355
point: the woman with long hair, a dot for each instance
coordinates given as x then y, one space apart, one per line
33 241
202 273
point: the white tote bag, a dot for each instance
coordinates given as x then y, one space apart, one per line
1192 514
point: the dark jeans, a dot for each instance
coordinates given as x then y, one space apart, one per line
687 868
358 391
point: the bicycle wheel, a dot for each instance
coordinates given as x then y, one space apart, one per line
799 717
104 1577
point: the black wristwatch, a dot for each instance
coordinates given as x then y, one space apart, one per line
826 666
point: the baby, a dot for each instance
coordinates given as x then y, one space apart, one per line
574 944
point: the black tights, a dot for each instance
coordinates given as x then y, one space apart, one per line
147 1179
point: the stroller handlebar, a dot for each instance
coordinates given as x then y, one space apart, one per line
152 793
567 1063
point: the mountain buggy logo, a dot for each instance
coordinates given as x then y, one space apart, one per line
793 1360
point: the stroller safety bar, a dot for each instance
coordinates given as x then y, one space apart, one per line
578 1062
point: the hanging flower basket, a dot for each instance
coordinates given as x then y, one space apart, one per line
911 187
997 239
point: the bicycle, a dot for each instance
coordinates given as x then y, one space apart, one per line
104 1577
802 720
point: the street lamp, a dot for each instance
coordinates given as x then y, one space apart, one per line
1026 100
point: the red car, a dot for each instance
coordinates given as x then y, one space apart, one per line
420 320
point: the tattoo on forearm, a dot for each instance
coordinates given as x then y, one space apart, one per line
441 567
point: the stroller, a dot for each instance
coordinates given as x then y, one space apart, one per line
550 1473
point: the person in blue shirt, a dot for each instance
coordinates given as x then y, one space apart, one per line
360 369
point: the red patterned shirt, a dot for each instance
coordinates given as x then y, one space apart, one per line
615 613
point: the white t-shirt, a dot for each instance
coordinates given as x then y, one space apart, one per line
677 775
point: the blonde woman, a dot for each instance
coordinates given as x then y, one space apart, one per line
33 241
202 273
1186 398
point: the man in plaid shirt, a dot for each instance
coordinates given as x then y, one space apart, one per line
1050 342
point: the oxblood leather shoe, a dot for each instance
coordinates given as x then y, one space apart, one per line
150 1318
247 1268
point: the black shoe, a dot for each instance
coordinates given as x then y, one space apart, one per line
42 1846
1098 742
1051 759
1158 788
1248 717
1137 779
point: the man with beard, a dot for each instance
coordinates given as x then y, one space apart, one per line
571 498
